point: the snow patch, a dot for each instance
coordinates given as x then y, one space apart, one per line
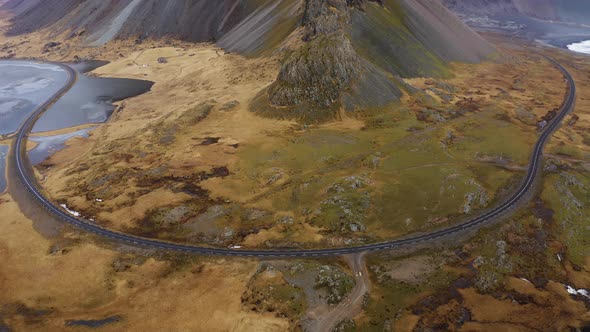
36 65
581 291
581 47
72 212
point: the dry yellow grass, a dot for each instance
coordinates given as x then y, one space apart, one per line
552 309
82 284
191 76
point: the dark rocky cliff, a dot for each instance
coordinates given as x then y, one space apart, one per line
337 54
355 51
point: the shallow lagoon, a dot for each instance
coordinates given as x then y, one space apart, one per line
89 101
48 145
26 84
23 86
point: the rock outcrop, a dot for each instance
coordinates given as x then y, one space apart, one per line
317 73
353 50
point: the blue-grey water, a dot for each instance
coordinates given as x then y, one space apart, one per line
581 47
94 323
23 86
48 145
89 101
26 84
3 154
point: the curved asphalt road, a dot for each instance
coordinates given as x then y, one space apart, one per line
27 177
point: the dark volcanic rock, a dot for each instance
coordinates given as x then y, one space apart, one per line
353 48
323 17
316 73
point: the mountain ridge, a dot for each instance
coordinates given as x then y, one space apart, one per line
335 54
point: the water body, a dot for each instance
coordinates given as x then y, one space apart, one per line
3 156
90 100
48 145
581 47
94 323
26 84
23 86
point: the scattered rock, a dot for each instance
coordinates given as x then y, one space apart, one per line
228 233
429 115
230 106
50 46
57 249
255 214
337 283
345 210
345 325
287 220
276 175
210 140
476 199
175 216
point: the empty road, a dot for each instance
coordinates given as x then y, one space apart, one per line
26 175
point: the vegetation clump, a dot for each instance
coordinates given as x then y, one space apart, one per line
268 291
344 211
337 283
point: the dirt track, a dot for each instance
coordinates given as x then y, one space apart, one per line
350 306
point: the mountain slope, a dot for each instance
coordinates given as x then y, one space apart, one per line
353 53
337 54
103 20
